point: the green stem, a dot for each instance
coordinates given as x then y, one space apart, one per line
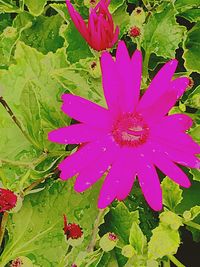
92 243
3 226
193 225
175 261
146 66
166 263
16 121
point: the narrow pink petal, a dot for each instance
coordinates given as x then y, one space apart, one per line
159 109
180 85
159 85
115 37
83 157
150 184
177 140
130 70
77 19
85 111
178 122
119 181
170 169
75 134
166 101
111 83
178 153
92 173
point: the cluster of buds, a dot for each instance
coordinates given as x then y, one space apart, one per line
8 200
72 230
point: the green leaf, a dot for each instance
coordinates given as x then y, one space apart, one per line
192 48
43 33
8 40
171 219
122 19
182 5
73 42
8 6
137 239
119 221
164 241
172 194
35 7
5 21
162 34
79 79
193 99
193 15
115 4
31 113
34 66
195 173
37 230
190 197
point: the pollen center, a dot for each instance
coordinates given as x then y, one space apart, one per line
130 130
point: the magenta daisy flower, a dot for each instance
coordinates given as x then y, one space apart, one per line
99 32
130 138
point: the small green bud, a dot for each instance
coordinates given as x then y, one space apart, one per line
128 251
182 107
137 17
95 69
75 242
108 242
187 215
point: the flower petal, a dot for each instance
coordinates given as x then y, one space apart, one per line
159 85
178 122
180 154
119 180
150 184
85 111
92 173
75 134
84 156
130 70
111 83
176 140
78 20
166 101
170 169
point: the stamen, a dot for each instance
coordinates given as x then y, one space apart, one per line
130 130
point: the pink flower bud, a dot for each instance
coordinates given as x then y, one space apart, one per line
100 32
8 200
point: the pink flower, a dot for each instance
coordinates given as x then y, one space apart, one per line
100 32
132 136
8 200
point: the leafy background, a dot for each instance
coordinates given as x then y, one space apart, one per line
42 55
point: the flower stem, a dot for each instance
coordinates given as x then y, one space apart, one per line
175 261
3 226
16 121
193 225
146 66
166 263
92 243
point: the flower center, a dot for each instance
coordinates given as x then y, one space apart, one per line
130 130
